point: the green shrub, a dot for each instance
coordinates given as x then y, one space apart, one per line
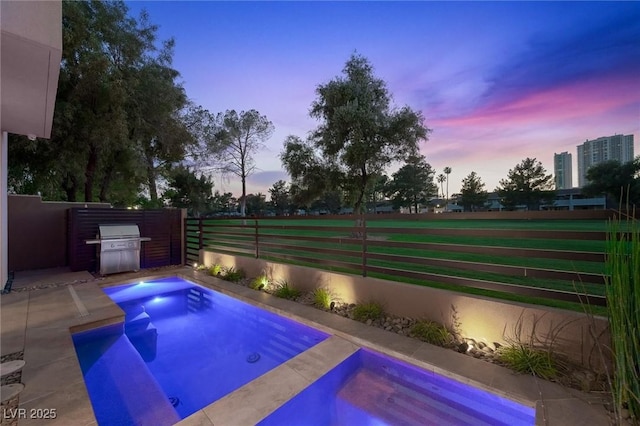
201 267
622 280
260 282
232 274
284 291
431 332
526 359
322 297
215 270
368 311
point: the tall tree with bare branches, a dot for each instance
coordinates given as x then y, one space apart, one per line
241 137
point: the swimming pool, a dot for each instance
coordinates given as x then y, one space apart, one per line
181 347
369 388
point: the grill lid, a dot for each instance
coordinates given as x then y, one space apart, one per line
119 231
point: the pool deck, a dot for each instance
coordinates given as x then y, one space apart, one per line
39 320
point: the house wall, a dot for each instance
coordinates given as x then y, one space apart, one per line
38 232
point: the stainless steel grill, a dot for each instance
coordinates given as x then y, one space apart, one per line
119 248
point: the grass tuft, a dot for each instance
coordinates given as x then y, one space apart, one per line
322 297
529 360
623 303
260 282
215 270
232 274
431 332
284 291
368 311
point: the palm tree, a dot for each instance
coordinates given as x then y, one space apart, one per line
441 178
447 171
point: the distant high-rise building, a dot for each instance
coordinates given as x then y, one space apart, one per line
590 153
562 170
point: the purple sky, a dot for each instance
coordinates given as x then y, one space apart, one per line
496 81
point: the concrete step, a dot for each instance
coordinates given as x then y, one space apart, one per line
136 322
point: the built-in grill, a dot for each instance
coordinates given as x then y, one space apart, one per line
119 248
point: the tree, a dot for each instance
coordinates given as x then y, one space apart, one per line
413 183
156 126
311 175
224 203
116 108
359 135
441 178
203 154
280 199
330 201
473 195
526 184
299 198
103 49
256 204
186 190
379 189
447 172
618 180
241 136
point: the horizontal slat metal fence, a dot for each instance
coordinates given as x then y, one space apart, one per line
354 245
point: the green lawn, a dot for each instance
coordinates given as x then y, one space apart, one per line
349 221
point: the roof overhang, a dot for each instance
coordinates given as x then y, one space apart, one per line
31 51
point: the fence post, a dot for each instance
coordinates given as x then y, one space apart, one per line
184 241
200 243
257 245
183 236
363 223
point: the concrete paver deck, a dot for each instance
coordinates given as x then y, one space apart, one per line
40 323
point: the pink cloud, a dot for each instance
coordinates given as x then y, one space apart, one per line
587 98
497 136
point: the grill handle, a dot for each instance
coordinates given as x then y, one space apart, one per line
99 241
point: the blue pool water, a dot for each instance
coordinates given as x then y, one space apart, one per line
180 348
370 389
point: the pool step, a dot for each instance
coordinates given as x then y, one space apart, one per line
141 332
114 380
198 300
136 320
145 341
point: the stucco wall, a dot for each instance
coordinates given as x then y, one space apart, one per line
38 231
482 319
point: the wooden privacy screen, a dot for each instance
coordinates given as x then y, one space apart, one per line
164 227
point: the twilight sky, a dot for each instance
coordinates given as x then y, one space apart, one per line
496 81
